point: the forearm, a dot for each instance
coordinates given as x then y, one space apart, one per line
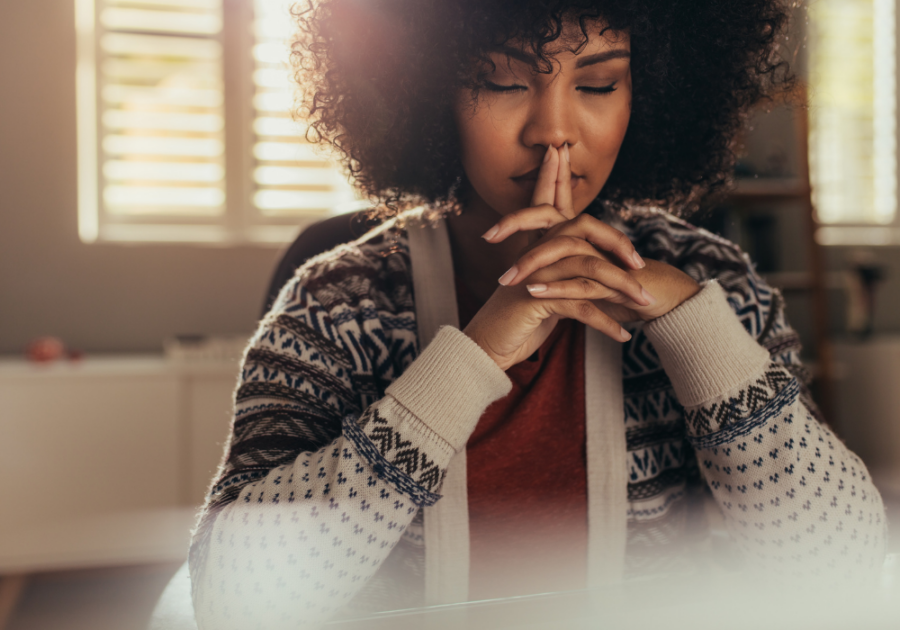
300 543
795 499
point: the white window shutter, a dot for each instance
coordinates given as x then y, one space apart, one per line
853 162
154 139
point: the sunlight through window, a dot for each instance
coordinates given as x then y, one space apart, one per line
853 113
185 127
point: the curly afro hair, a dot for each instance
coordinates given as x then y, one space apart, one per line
379 81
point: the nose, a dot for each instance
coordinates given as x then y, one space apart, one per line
551 120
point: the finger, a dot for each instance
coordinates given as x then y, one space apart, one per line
549 252
597 269
544 189
588 314
605 237
579 289
541 217
563 201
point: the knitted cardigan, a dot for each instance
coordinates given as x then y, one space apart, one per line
344 429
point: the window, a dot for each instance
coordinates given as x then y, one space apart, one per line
853 141
184 130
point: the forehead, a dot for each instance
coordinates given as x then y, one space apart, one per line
572 42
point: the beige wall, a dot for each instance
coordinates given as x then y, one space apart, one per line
99 298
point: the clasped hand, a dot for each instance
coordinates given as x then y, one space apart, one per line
579 268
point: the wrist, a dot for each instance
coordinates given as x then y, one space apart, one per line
471 331
704 348
682 290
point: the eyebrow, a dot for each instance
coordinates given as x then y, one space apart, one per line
590 60
581 62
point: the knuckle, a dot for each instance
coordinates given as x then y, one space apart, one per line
592 265
585 285
527 261
583 219
584 309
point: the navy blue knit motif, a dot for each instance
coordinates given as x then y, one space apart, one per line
390 471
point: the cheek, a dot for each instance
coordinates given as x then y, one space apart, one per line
607 136
469 139
612 134
485 152
604 141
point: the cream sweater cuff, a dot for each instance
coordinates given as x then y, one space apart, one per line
449 386
704 348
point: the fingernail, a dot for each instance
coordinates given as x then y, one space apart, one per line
509 276
491 233
646 295
565 151
638 260
547 154
537 288
624 335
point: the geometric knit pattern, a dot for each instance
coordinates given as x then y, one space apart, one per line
401 454
749 401
317 504
664 447
802 504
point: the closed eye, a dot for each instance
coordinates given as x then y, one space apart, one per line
495 87
607 89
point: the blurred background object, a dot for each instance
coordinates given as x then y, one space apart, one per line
45 349
865 274
198 348
152 178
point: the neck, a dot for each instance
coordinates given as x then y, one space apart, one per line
478 263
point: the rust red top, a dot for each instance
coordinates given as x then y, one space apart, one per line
528 523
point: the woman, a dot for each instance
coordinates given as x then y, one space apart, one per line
409 430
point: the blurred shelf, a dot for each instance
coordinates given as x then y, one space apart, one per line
803 280
769 188
115 366
131 537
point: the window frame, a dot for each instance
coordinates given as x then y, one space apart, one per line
862 233
241 223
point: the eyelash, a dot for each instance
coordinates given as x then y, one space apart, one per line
493 87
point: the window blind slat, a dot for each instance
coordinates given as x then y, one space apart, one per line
852 118
292 177
152 106
162 108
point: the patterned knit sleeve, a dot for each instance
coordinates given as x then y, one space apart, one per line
321 477
795 499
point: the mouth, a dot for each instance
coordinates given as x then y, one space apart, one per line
530 178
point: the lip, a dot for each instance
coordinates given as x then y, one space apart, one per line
529 179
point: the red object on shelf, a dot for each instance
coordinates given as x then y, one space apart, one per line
45 349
